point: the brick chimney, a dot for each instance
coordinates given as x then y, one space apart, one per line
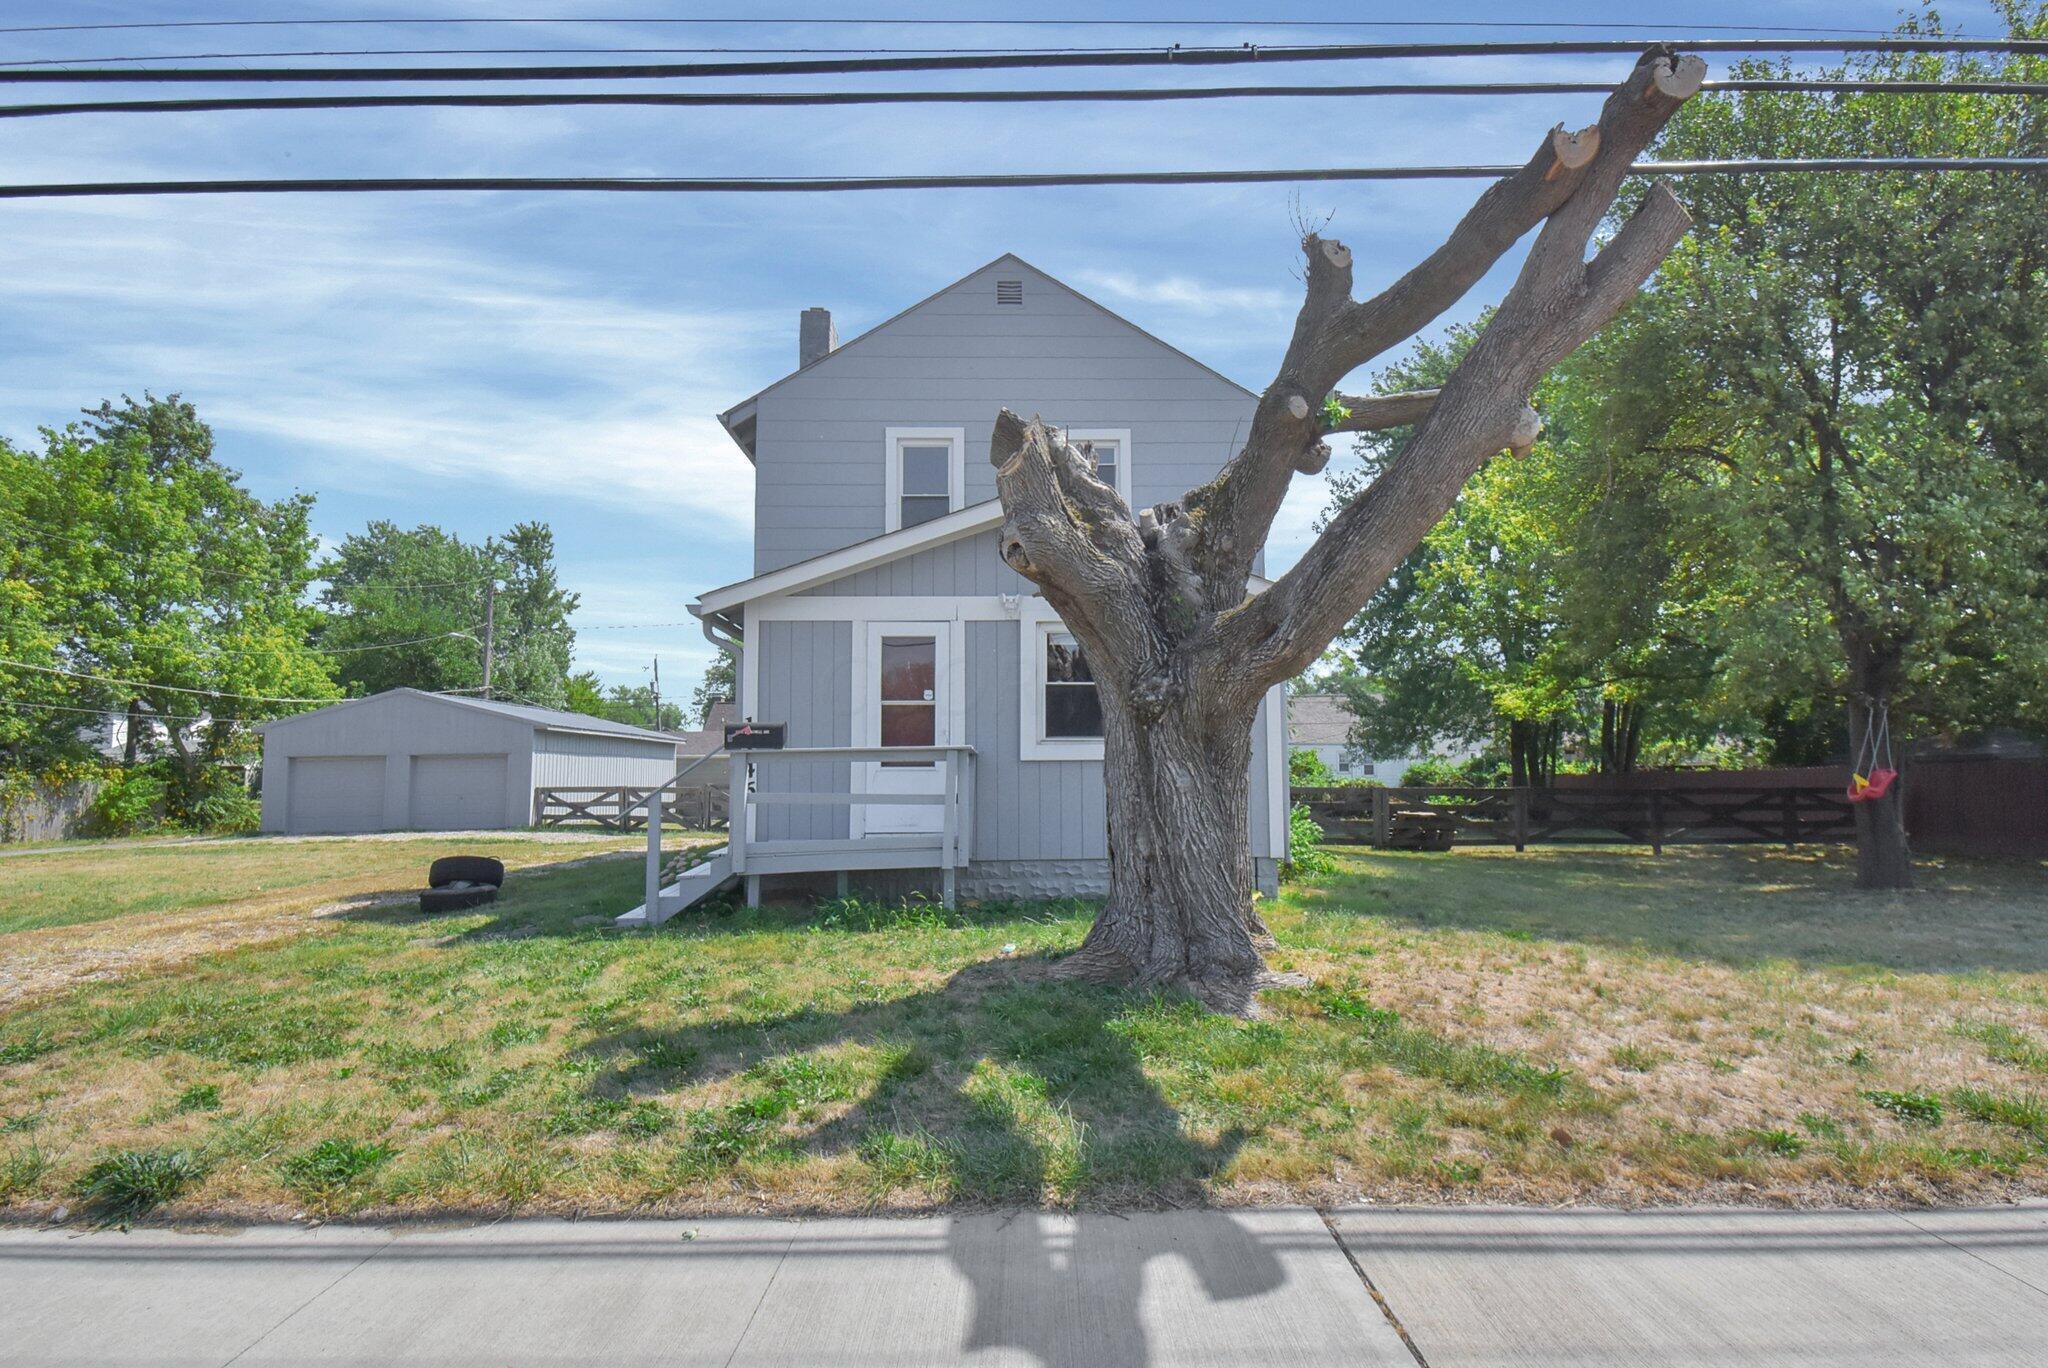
815 336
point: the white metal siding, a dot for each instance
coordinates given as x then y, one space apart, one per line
576 760
336 792
458 792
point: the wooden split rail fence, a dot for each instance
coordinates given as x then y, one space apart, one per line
1436 818
702 808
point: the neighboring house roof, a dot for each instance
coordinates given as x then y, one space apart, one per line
832 565
1319 720
711 736
542 719
739 419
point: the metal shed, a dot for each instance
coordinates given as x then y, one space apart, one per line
408 760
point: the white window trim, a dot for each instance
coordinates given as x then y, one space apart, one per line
1122 438
892 469
1036 621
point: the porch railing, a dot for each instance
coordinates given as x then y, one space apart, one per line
947 849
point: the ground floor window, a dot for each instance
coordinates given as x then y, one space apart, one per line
1062 706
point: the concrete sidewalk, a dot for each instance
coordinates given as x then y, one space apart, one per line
1463 1285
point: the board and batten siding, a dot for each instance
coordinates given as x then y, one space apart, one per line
1023 809
573 760
805 679
954 361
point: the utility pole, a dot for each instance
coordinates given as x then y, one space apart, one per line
490 627
657 693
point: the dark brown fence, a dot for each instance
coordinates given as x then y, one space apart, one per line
1655 816
1977 807
701 808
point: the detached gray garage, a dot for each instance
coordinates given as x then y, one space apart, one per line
407 760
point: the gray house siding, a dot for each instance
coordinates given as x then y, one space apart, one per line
970 565
806 679
953 361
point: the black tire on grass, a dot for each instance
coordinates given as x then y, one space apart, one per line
455 899
476 869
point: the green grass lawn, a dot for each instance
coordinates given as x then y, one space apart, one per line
1709 1025
93 881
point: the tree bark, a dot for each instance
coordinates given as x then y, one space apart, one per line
1158 598
1884 859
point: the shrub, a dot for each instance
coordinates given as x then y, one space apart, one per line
130 801
1306 767
1305 853
130 1182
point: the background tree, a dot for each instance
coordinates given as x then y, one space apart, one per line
632 704
1182 655
173 594
717 686
407 609
1852 370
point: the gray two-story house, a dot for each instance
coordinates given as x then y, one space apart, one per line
941 725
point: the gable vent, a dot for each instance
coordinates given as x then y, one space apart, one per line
1009 292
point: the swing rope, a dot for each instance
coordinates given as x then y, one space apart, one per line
1875 767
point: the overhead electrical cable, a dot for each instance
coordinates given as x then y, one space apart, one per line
1141 95
146 684
1170 57
840 184
892 22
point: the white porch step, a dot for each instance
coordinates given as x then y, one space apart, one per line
696 883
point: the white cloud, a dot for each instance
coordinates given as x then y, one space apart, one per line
1180 292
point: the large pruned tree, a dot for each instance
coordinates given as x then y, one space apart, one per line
1181 652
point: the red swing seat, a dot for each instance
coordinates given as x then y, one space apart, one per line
1862 790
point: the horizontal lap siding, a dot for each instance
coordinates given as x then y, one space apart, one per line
953 362
968 566
806 680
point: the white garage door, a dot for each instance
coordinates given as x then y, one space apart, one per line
334 793
458 792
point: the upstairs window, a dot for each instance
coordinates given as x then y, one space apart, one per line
1112 447
924 476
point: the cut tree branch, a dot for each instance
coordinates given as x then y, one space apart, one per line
1557 302
1377 412
1567 186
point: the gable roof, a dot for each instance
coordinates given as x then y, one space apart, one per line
832 565
738 421
1319 720
542 719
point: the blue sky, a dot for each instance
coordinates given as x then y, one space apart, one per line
476 360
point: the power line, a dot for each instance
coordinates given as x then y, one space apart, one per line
1174 57
146 684
825 184
890 22
772 99
536 52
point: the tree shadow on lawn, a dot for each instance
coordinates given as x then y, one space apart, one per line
1003 1087
1741 905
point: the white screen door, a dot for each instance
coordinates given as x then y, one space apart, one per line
908 705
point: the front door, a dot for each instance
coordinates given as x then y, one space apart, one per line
907 706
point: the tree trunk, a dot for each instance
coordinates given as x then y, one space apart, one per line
1180 868
1160 599
1883 857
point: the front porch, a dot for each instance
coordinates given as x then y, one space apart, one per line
904 807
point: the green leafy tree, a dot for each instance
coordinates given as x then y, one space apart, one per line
409 609
717 686
169 592
1851 373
